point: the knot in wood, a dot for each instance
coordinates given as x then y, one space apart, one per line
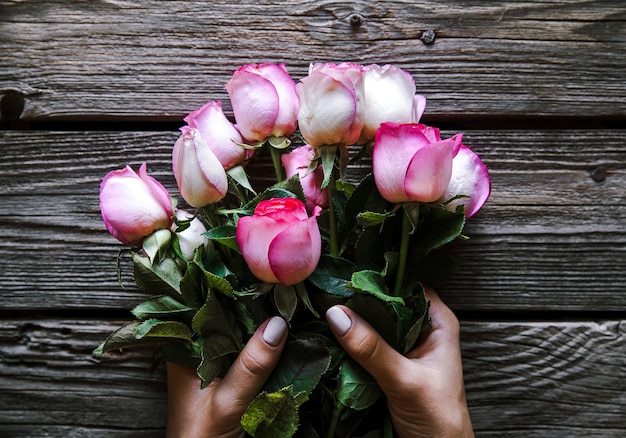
428 36
11 105
355 19
598 174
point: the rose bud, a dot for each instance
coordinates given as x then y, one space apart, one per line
331 104
280 242
264 101
389 97
191 237
470 177
219 134
199 174
298 162
133 205
411 163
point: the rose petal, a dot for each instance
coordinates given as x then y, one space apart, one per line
295 252
470 177
327 110
389 97
394 148
287 117
429 171
218 133
255 104
419 105
200 176
254 235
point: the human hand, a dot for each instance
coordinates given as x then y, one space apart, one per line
425 390
216 410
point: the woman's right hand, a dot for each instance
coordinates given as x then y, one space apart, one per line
425 390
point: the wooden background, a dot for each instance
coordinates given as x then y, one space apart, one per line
538 88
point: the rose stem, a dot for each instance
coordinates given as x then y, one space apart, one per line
278 166
404 250
332 218
334 420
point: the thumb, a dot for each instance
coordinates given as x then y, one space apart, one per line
367 347
253 365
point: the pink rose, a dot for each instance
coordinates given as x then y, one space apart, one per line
264 101
218 133
298 162
199 174
331 104
470 177
280 242
411 163
133 206
389 97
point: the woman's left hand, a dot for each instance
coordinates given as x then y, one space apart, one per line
216 411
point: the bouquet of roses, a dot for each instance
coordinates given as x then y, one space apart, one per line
236 254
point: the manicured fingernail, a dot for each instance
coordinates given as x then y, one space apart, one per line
338 320
275 331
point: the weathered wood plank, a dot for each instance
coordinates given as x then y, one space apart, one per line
523 379
550 238
546 379
157 59
51 385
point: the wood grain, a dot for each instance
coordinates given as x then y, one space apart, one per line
550 237
541 286
557 379
147 60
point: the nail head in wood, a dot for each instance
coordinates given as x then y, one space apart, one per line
428 36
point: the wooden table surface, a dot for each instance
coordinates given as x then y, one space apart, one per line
538 88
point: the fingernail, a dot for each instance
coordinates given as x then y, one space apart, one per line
338 320
275 331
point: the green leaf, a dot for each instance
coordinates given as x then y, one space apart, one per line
303 295
155 328
217 283
370 218
356 388
412 318
370 249
272 415
161 306
226 235
332 276
339 200
214 264
159 278
440 227
301 365
191 287
157 244
214 318
372 283
218 353
187 354
218 346
328 153
221 337
411 336
286 300
292 185
250 313
238 174
376 313
289 188
124 337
